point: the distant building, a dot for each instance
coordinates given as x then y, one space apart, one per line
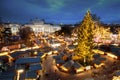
55 28
14 27
39 26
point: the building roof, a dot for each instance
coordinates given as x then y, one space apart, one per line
18 53
40 54
101 59
7 76
71 63
28 60
116 50
97 62
60 61
34 67
31 75
58 57
96 56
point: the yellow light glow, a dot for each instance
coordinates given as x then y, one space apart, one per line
116 78
64 69
35 53
49 53
58 65
35 47
13 51
71 50
11 58
20 71
112 55
97 66
55 51
79 70
23 49
3 53
75 43
98 51
43 56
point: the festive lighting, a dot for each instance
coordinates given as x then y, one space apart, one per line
116 78
112 55
80 70
43 56
97 66
3 53
35 53
49 53
55 51
35 47
18 73
64 69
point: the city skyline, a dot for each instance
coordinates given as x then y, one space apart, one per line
56 12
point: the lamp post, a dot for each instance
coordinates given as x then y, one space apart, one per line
18 73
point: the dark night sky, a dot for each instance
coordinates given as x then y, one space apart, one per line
59 11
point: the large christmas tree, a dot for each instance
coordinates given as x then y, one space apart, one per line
85 40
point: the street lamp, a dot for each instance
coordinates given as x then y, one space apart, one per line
18 73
